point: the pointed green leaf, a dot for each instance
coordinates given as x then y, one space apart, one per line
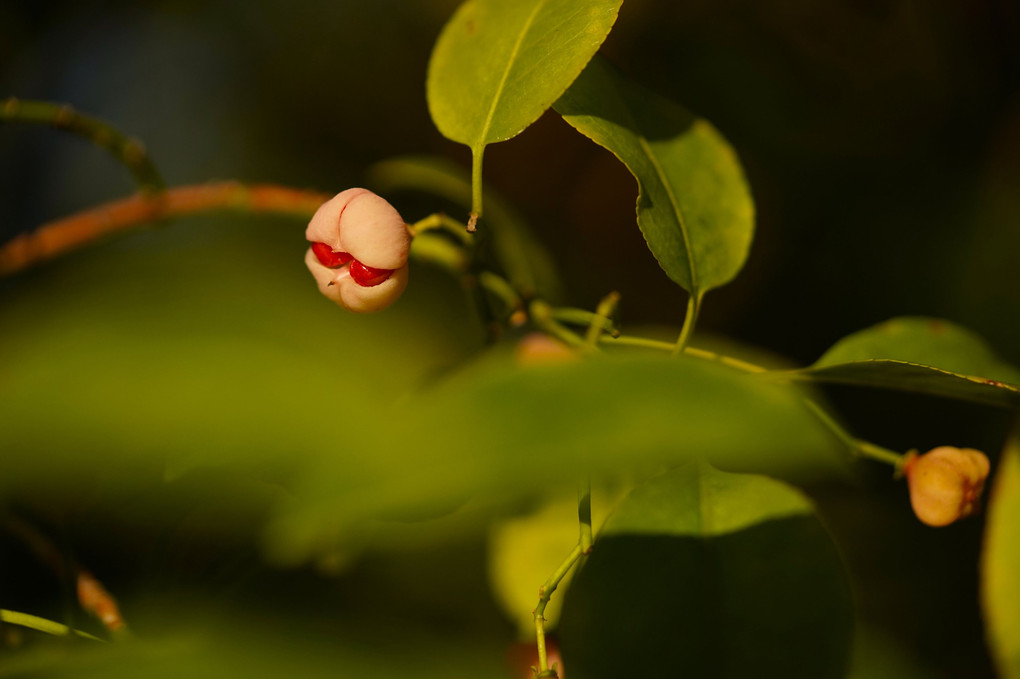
1000 563
926 355
499 64
707 574
694 206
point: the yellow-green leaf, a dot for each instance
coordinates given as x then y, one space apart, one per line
499 64
926 355
1000 563
694 206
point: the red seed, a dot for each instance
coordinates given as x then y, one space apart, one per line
327 256
367 276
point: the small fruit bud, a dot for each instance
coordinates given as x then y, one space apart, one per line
945 483
359 250
535 348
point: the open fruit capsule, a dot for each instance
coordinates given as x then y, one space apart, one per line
945 483
359 250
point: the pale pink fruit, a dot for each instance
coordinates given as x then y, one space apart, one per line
359 250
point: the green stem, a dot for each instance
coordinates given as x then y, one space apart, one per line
126 150
476 186
584 515
660 345
490 325
641 342
857 447
500 288
868 449
583 318
541 315
42 625
441 253
690 320
599 323
444 224
544 595
725 360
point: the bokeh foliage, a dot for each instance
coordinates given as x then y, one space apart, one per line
129 371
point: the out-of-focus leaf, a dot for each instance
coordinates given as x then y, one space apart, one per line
705 573
501 430
499 64
231 647
1000 562
926 355
196 345
694 206
526 263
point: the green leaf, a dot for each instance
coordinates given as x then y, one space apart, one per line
501 431
694 206
526 263
212 644
499 64
707 574
926 355
1000 563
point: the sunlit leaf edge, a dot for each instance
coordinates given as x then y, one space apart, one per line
968 387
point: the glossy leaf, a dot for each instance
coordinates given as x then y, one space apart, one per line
499 64
1000 563
705 573
694 206
527 264
501 431
919 354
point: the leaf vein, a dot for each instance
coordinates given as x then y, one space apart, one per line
646 147
509 67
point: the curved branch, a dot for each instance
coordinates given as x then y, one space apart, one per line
69 233
130 152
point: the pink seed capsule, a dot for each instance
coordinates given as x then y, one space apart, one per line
946 483
359 248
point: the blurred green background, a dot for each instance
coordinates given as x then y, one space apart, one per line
881 139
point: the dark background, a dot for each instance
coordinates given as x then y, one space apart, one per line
881 139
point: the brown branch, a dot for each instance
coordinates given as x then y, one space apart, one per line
69 233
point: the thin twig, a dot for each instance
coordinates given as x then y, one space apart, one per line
128 151
69 233
544 595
